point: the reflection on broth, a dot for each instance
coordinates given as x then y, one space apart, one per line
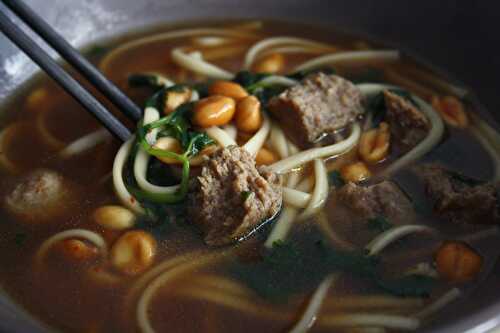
278 181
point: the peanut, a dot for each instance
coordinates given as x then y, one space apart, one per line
248 117
214 111
133 252
355 172
271 63
374 144
452 110
228 89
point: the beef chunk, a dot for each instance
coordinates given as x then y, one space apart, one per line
459 198
319 104
231 197
383 199
42 197
408 125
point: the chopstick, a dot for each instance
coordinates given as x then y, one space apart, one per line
73 57
49 65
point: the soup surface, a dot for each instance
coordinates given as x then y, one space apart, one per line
354 192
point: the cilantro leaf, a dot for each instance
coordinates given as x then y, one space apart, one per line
379 224
335 179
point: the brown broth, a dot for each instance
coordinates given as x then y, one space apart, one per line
65 297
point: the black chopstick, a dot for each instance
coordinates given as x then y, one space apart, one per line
73 57
49 65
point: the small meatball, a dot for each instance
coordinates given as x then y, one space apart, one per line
231 197
383 199
43 196
458 198
408 125
320 104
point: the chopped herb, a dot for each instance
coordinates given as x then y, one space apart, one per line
245 195
179 126
368 75
300 75
148 80
466 180
265 94
246 78
335 179
408 286
96 51
379 224
286 270
20 238
202 88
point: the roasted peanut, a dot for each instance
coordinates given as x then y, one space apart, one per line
271 63
214 111
265 157
133 252
355 172
168 144
114 217
374 144
228 89
451 110
198 159
173 99
248 117
457 262
75 250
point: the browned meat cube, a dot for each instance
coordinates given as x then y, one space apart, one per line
319 104
383 199
231 197
408 125
459 198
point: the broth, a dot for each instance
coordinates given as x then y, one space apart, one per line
231 288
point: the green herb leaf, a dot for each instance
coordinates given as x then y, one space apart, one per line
96 51
245 195
379 224
246 78
20 238
287 269
335 179
368 75
466 180
408 286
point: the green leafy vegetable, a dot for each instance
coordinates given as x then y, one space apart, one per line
466 180
264 94
410 285
96 51
20 238
335 179
246 78
177 125
300 75
379 224
368 75
245 195
287 269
